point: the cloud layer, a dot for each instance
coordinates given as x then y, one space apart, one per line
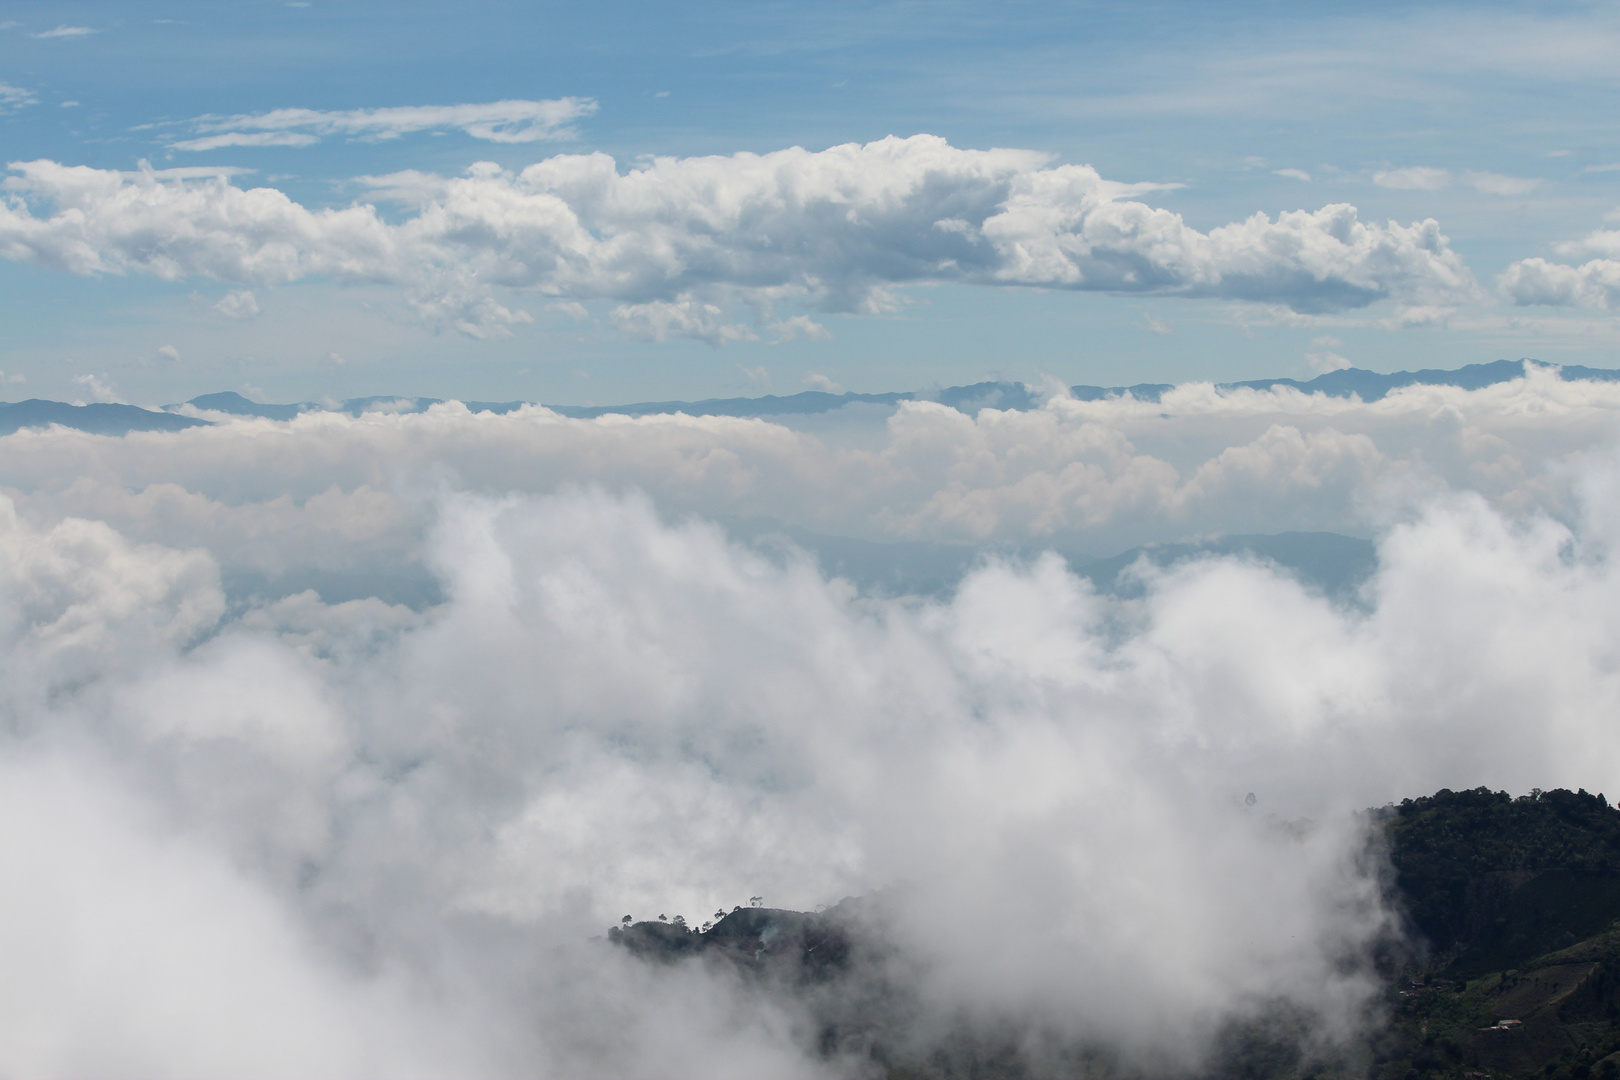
836 230
1093 477
384 840
296 837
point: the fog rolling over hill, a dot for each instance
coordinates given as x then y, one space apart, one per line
334 742
1506 962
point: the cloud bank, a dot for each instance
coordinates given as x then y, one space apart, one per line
674 240
317 839
284 836
1086 477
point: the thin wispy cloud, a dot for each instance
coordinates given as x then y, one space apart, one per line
496 121
67 31
15 97
1497 184
247 138
1415 178
1424 178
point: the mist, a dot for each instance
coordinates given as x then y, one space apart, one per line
276 835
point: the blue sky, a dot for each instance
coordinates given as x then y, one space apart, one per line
1496 122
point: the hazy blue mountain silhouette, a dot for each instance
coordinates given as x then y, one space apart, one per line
1369 385
100 419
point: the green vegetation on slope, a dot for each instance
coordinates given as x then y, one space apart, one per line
1515 901
1512 969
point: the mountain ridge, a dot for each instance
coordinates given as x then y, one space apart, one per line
120 419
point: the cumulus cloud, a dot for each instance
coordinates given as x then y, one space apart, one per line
1593 284
835 230
496 121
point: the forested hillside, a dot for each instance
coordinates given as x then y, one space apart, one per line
1509 966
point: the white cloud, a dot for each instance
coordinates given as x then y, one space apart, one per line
817 381
1593 284
661 320
571 308
66 31
169 352
1414 178
496 121
836 230
247 138
1603 242
238 304
798 326
1321 356
185 172
1423 178
98 387
1093 476
1293 174
1497 184
1326 360
15 97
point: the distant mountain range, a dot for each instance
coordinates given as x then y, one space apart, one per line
1368 385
